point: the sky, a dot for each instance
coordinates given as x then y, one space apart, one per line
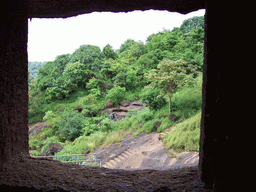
48 38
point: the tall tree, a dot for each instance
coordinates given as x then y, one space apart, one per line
169 76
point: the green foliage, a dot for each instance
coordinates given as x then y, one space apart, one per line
116 94
48 115
76 73
170 75
185 136
108 52
34 95
83 143
153 98
33 67
126 45
145 115
170 60
91 104
192 23
188 99
71 125
88 55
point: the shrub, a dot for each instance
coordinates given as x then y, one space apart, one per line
153 97
48 115
83 143
116 94
145 115
189 99
90 105
71 125
90 128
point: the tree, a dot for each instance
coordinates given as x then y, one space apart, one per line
126 45
108 52
34 95
169 76
191 23
88 55
77 73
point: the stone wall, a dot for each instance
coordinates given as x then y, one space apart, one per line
221 83
13 81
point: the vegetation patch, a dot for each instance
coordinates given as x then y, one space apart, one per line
164 74
185 136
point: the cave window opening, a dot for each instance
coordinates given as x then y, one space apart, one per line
55 41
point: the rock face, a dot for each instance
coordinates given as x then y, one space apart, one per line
173 117
157 124
78 108
120 112
109 104
116 117
124 103
55 147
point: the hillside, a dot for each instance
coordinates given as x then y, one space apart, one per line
87 99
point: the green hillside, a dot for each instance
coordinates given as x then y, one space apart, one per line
164 73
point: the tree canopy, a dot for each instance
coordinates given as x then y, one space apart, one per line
165 61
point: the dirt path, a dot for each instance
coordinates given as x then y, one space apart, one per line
145 151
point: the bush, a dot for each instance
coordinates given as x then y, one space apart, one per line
153 97
189 99
145 115
90 128
116 94
91 105
48 115
83 143
71 125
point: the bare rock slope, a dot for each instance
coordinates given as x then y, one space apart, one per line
145 151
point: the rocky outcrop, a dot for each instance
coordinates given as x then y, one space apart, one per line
156 125
109 104
78 108
55 148
116 117
173 117
120 111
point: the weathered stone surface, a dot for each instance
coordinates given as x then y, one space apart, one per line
173 117
67 8
109 104
137 103
162 116
55 147
78 108
116 117
157 124
86 152
124 103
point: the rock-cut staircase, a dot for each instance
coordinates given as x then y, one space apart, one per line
113 162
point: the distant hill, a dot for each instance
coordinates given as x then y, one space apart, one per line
34 66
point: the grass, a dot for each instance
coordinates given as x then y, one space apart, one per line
185 136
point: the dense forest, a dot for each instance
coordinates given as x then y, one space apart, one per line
164 73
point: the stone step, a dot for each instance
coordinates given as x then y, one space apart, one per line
111 163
